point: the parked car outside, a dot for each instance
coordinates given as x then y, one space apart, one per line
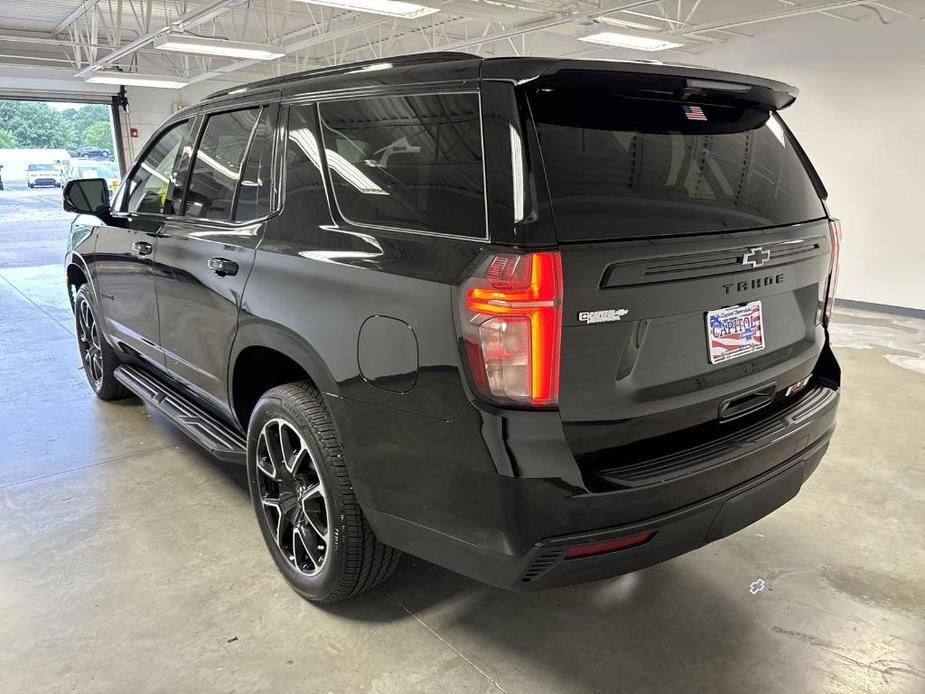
92 153
93 168
537 321
42 175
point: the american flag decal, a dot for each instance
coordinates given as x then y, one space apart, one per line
735 331
693 112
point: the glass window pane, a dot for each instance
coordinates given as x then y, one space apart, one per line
254 196
305 197
412 162
147 188
217 165
623 167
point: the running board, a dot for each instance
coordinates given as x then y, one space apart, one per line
205 429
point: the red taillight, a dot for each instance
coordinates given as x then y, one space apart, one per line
512 322
608 546
835 234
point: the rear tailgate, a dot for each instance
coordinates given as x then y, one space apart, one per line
674 204
649 373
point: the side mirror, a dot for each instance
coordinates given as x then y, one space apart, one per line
87 196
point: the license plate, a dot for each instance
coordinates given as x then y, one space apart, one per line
735 331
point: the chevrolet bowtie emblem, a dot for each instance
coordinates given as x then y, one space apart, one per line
756 257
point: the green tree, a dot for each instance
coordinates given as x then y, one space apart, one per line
99 134
7 139
35 124
82 121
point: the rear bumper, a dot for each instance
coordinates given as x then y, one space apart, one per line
546 566
511 527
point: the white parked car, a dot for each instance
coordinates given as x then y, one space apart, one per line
42 175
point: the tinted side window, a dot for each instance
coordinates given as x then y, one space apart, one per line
217 164
254 196
412 162
147 188
306 201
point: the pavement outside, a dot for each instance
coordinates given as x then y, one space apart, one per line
131 561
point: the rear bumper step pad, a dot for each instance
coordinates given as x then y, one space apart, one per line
787 424
207 430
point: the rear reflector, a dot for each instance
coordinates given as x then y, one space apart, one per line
609 545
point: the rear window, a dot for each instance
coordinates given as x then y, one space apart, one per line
408 162
622 166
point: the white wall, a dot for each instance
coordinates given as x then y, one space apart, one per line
147 109
861 118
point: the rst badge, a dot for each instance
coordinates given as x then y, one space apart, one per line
608 315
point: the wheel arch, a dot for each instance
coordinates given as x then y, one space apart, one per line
265 355
77 274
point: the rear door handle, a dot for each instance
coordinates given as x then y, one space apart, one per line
223 266
142 248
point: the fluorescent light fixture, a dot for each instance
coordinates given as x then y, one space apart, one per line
392 8
137 80
185 43
634 41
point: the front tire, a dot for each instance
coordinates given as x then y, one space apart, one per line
308 514
97 356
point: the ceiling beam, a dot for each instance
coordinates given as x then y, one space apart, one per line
316 39
902 13
538 26
794 11
293 42
81 10
186 21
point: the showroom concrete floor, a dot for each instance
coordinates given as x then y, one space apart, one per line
130 561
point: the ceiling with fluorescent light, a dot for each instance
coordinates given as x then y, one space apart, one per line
80 38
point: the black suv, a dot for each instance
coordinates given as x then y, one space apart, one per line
537 321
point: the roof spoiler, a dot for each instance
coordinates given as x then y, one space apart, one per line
686 80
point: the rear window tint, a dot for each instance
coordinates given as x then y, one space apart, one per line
621 167
408 162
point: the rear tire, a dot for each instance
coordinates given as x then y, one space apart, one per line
308 514
99 359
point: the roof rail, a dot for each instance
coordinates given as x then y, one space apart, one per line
403 60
